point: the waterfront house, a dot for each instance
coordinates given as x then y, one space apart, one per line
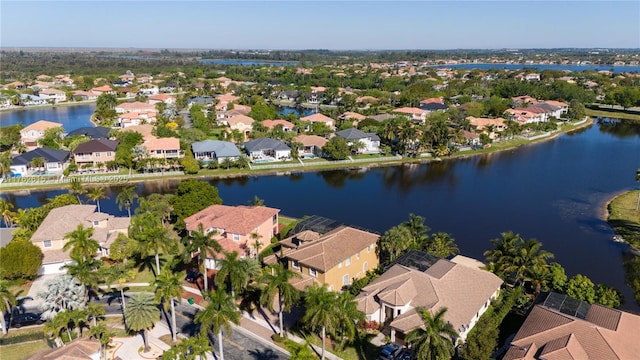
31 100
242 123
370 141
163 148
94 152
54 95
419 280
5 102
105 89
158 98
135 118
334 258
271 124
265 149
560 327
30 134
532 77
50 235
311 145
54 161
135 106
84 95
210 150
233 227
320 118
98 132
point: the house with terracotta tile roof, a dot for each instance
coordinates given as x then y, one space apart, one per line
85 95
135 118
135 106
95 151
335 258
524 99
99 90
415 114
50 235
271 124
460 284
311 145
320 118
163 148
561 327
233 227
240 122
30 134
158 98
79 349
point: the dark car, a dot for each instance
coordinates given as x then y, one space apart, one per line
391 351
192 276
406 354
20 320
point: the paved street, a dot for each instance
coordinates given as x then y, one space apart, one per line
241 344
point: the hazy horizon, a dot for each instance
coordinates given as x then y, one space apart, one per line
327 25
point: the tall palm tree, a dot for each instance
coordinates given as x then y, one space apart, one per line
94 311
126 197
5 163
501 256
168 289
220 312
539 276
434 340
81 243
7 300
95 194
55 326
7 214
78 319
526 256
151 236
442 245
256 243
236 272
321 312
417 228
349 317
142 314
276 282
85 271
202 242
76 188
103 335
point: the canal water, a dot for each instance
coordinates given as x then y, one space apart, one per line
553 191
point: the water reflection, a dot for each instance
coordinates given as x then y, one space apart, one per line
619 128
338 178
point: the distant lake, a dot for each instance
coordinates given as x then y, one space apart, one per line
247 62
553 191
70 116
301 112
574 68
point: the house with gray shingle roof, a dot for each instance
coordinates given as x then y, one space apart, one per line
266 148
370 141
50 235
55 161
459 284
209 150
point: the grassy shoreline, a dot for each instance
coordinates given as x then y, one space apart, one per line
613 114
311 167
624 219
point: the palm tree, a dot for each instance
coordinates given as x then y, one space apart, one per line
85 271
95 311
236 272
55 326
276 282
142 313
104 335
168 288
5 163
526 256
256 201
321 312
81 243
95 194
37 162
434 340
255 237
394 242
126 197
539 276
501 256
151 236
226 163
442 245
120 274
7 300
221 311
417 228
349 317
203 242
78 319
64 293
76 188
7 214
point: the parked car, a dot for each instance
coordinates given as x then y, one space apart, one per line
20 320
391 351
192 276
406 354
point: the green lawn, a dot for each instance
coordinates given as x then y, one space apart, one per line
624 218
361 349
613 114
23 350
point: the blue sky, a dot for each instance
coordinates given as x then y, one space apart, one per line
362 25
